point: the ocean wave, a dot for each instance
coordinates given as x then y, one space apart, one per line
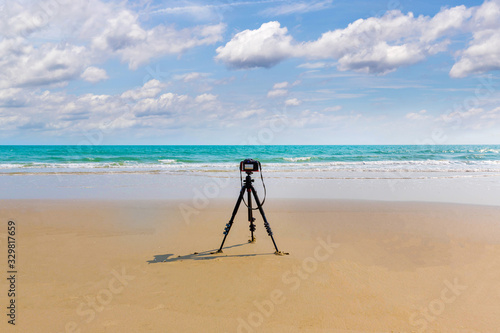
300 166
167 161
284 175
489 150
300 162
296 159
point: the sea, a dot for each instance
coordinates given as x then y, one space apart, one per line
343 159
199 174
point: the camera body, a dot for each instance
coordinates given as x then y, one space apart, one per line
250 165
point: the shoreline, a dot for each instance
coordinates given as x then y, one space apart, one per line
476 190
226 201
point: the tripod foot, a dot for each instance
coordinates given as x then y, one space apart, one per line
252 240
281 253
218 251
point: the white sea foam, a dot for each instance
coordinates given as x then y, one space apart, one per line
489 150
300 165
167 161
296 159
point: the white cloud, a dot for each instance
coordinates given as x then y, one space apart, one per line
193 76
248 113
167 104
445 22
420 115
483 52
314 65
377 44
207 11
297 7
122 35
333 108
149 107
280 85
292 102
22 64
205 98
314 119
493 114
13 97
150 89
453 116
199 12
34 50
277 93
263 47
26 18
62 114
94 74
475 119
164 40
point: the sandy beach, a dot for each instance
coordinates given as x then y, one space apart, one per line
129 129
354 266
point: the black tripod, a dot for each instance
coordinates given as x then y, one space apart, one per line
248 187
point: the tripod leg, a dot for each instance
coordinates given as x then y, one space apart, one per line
250 216
230 224
266 224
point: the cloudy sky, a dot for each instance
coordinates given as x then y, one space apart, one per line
249 72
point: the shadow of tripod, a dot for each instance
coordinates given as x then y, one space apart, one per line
248 187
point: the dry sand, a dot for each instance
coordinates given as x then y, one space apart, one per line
353 267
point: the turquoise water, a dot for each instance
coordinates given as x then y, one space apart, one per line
36 159
460 173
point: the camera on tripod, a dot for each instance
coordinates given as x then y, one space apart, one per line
250 165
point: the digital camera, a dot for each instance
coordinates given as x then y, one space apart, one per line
250 165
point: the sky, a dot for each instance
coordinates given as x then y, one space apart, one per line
249 72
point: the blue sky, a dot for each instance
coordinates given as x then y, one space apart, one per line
249 72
